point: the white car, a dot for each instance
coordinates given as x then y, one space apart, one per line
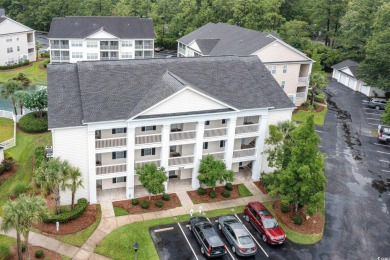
384 134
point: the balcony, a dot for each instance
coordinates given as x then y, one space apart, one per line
141 163
303 80
182 135
301 95
148 46
64 57
244 153
55 58
114 168
59 46
147 139
250 128
139 46
215 132
181 160
108 47
110 142
217 155
181 50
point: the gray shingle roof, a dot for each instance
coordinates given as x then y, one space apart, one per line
118 90
352 65
207 45
124 27
3 18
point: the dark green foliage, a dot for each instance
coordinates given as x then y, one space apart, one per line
32 124
19 189
229 186
212 194
386 115
6 164
225 193
38 253
23 247
46 63
305 104
284 208
159 203
39 155
7 155
5 253
45 55
144 204
315 105
134 202
211 171
81 207
26 62
297 219
152 178
201 191
166 197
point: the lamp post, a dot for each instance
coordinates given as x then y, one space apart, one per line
135 245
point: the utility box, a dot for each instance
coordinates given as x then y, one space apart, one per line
49 152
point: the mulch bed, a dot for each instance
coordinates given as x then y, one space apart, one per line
7 174
318 109
46 253
196 198
260 185
313 225
174 202
73 226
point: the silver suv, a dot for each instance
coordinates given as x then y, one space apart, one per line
377 103
384 134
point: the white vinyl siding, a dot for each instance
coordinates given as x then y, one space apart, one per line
92 56
127 43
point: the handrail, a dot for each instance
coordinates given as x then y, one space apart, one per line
108 165
247 125
102 139
147 135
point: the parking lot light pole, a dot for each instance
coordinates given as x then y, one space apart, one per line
135 245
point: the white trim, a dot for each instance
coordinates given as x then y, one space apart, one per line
28 28
96 32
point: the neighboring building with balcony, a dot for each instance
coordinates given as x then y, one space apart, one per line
109 118
290 67
80 38
17 42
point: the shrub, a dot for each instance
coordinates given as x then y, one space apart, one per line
6 165
226 193
23 247
4 252
38 253
284 208
46 63
144 204
229 186
45 54
166 197
39 155
315 105
212 194
19 189
32 124
26 62
81 207
134 202
201 191
297 219
305 104
159 203
7 155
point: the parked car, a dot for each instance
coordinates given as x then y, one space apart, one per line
210 242
239 238
377 103
158 49
384 134
265 223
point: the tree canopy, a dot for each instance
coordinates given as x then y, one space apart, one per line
211 171
152 178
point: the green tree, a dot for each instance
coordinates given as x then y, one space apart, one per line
20 215
74 182
301 181
52 176
23 80
36 101
152 178
211 171
317 82
295 33
8 91
386 115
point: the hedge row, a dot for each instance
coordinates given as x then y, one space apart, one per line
39 155
26 62
81 207
32 124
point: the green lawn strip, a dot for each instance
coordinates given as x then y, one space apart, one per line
119 243
296 237
33 72
120 212
6 129
243 191
6 240
64 257
22 153
319 117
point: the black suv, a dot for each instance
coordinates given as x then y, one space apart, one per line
210 242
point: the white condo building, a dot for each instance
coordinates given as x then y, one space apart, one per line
108 118
290 67
80 38
17 42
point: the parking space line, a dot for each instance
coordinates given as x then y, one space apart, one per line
385 171
252 236
319 131
378 119
188 242
384 161
225 245
381 145
382 152
373 114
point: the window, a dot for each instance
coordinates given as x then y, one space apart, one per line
127 44
285 69
92 56
8 40
205 145
148 151
119 179
119 130
272 69
92 44
283 84
77 43
148 44
127 55
207 123
222 143
119 155
148 54
9 50
223 121
77 55
18 48
148 128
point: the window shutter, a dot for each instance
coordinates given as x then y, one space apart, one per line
143 129
142 152
154 127
153 151
125 178
221 143
113 131
125 130
125 154
113 155
113 180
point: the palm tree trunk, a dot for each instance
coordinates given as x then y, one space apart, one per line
312 95
150 195
19 245
14 104
296 206
57 200
27 248
73 193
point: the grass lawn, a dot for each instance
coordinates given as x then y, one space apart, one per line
296 237
243 190
6 129
120 212
34 73
22 153
6 240
319 117
119 243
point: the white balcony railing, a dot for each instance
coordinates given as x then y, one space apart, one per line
114 168
217 155
241 129
147 139
181 50
148 46
244 153
300 95
182 135
215 132
141 163
303 80
110 142
139 46
181 160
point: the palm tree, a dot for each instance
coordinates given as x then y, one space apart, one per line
52 176
317 81
20 215
74 175
24 81
38 45
9 90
